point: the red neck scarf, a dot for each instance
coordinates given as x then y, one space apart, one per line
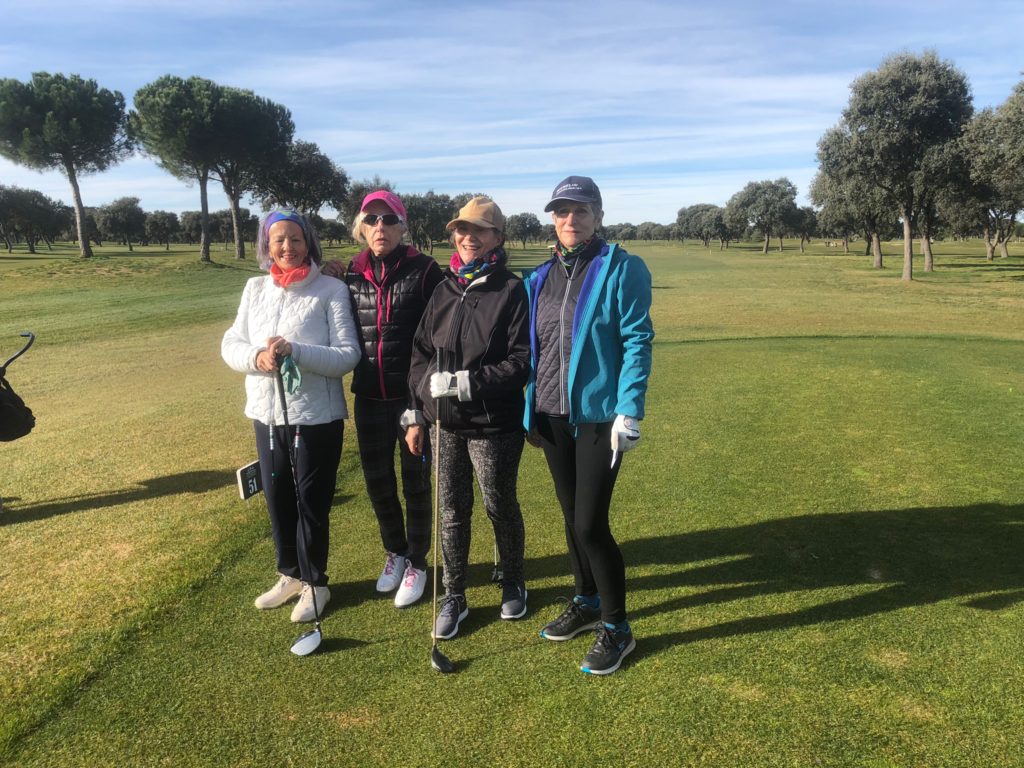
284 279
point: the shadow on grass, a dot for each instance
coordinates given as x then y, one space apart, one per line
982 266
914 556
33 256
169 485
904 558
333 644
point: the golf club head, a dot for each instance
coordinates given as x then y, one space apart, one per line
497 574
440 662
308 642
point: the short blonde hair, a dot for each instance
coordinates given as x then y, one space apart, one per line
357 227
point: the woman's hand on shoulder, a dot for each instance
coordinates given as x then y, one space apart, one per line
333 268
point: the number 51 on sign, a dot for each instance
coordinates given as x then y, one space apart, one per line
249 480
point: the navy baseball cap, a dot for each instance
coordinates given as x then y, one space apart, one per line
578 189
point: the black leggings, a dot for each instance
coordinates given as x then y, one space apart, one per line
317 458
579 459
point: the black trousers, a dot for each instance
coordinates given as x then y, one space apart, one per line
316 458
579 459
378 430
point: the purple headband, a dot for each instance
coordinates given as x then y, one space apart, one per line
276 216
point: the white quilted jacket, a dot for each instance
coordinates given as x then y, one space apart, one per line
315 315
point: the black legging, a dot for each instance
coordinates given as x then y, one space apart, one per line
579 459
316 459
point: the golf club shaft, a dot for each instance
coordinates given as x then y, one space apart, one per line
437 516
293 449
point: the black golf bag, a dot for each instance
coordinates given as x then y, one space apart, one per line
16 419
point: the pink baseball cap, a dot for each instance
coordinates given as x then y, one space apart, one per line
390 199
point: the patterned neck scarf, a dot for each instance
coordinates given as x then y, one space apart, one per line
567 256
467 273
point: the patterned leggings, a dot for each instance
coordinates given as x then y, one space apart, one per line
495 461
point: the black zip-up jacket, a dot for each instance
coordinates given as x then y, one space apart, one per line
482 328
387 311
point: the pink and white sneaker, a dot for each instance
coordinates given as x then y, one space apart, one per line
413 582
391 576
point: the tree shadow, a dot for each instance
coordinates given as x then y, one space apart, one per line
982 266
169 485
904 558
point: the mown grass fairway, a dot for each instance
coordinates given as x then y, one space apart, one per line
823 529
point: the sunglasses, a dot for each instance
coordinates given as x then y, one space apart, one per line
580 211
389 219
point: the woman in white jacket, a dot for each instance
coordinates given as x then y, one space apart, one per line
299 313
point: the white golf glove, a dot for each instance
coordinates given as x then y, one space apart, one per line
625 433
447 384
443 384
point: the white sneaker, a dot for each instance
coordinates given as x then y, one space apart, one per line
391 576
279 594
413 582
303 610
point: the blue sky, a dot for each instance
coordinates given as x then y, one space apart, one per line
665 104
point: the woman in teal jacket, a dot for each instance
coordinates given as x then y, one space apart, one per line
590 344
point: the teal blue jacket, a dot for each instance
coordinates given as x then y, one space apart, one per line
612 332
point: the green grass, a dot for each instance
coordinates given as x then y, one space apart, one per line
823 528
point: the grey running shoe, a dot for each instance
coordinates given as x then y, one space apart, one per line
576 618
609 649
453 610
513 599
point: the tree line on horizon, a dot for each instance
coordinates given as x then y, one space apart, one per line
29 216
909 155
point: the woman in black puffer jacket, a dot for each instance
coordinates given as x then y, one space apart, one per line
390 285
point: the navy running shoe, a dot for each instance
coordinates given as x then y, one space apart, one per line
577 617
609 649
453 610
513 599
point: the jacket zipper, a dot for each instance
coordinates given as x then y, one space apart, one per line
562 380
453 333
380 330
